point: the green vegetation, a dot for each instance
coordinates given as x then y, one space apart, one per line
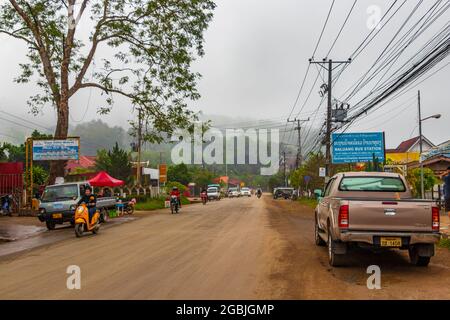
156 203
171 184
16 153
154 45
308 202
179 173
444 243
429 180
307 176
151 204
116 162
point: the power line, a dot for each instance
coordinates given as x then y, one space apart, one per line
342 28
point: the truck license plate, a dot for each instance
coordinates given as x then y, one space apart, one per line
391 242
57 215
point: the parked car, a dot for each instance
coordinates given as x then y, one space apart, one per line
245 192
233 193
282 192
375 210
59 201
213 193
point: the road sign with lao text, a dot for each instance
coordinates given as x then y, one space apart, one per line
357 147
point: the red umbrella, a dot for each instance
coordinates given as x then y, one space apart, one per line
105 180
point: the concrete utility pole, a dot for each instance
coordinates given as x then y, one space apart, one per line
328 65
299 151
138 165
284 169
422 191
435 116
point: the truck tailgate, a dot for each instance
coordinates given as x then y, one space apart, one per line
390 216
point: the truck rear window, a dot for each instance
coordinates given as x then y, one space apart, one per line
381 184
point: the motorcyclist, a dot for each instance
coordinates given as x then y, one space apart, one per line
176 192
90 200
259 192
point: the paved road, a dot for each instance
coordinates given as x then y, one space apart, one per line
232 249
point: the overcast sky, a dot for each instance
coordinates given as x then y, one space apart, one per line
256 57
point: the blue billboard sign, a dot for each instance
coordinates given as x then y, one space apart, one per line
67 149
357 147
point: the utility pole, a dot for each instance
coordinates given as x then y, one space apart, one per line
284 169
330 69
435 116
138 166
299 151
422 191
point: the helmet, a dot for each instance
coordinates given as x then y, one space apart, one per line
175 188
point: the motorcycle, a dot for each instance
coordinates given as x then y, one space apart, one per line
174 205
82 222
204 197
258 195
6 205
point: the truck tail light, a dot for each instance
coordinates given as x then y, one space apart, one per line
343 216
435 218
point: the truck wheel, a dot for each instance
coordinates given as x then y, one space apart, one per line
335 260
50 225
416 259
319 241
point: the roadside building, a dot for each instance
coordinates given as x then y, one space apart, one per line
81 169
408 151
436 158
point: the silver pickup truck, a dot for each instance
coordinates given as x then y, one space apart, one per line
58 203
375 210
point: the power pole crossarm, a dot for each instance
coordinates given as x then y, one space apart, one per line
299 128
328 65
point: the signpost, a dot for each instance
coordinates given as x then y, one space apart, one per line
322 172
162 173
358 147
47 150
67 149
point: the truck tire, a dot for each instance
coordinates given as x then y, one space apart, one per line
416 259
335 260
318 240
50 224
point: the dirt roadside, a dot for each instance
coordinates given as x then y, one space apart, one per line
300 269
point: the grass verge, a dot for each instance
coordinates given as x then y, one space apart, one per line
308 202
156 203
444 243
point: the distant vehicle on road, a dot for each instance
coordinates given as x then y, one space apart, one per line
59 201
375 210
245 192
233 193
213 193
282 192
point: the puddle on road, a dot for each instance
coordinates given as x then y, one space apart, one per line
18 232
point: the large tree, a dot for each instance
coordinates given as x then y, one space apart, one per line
153 42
